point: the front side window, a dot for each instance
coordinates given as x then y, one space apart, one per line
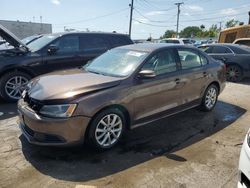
207 49
189 59
162 62
68 44
220 50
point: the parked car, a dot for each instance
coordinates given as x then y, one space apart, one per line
242 41
124 88
49 53
5 45
176 41
244 163
236 58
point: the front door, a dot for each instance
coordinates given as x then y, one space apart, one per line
66 56
155 96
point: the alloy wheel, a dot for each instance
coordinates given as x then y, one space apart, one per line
233 73
15 86
108 130
211 97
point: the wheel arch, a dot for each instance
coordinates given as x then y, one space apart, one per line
216 83
32 74
117 106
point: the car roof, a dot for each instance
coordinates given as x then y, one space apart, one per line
150 47
84 32
222 44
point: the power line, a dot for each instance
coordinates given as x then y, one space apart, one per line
94 18
152 24
203 19
157 21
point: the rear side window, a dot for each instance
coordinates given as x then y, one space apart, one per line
189 59
220 50
92 43
116 40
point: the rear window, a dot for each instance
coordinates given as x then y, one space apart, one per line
243 42
187 42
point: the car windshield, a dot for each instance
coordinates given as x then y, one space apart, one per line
27 40
41 42
116 62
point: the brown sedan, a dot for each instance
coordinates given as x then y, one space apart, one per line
124 88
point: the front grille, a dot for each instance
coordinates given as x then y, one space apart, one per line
32 103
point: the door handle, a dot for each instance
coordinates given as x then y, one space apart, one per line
177 80
205 74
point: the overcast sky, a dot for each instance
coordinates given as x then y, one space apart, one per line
150 16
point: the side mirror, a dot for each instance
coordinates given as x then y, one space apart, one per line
146 74
52 49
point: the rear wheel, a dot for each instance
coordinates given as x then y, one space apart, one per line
106 129
210 98
12 85
234 73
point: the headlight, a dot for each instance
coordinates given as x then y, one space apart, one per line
63 110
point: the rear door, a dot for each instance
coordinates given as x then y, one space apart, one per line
194 75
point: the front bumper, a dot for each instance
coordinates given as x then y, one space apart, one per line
244 166
41 130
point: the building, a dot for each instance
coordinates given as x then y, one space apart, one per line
25 29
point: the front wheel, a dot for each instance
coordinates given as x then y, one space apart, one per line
106 129
12 85
210 98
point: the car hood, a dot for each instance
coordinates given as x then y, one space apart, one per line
11 38
68 83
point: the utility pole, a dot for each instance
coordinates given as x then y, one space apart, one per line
220 25
131 16
178 15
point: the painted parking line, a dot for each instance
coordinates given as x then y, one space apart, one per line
85 186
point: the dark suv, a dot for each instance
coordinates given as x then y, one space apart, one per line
49 53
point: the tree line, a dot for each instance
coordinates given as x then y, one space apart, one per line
200 32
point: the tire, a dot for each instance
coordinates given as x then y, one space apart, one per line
234 73
10 81
103 137
210 97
